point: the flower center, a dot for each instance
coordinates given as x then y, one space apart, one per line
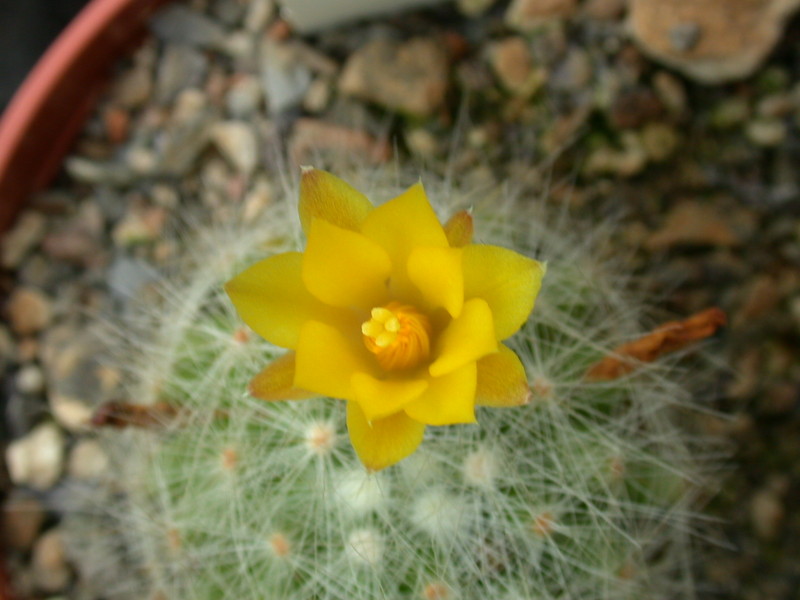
398 335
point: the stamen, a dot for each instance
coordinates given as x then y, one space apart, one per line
398 335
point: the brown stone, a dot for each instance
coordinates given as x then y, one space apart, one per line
312 135
409 77
50 570
29 311
695 223
21 519
713 40
604 9
526 15
512 62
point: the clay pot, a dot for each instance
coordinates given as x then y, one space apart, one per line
53 102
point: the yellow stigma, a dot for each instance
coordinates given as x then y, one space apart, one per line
398 336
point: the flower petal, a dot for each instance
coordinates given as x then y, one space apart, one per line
271 298
438 275
466 339
380 398
327 359
384 441
459 229
344 268
508 281
325 196
400 225
276 381
449 399
502 380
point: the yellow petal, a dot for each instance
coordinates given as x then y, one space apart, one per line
466 339
449 399
384 441
325 196
459 229
276 381
327 359
502 380
380 398
344 268
508 281
271 298
400 225
438 275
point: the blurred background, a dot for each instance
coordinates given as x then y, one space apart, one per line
26 29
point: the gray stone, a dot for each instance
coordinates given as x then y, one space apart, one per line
27 232
179 24
285 79
127 277
181 67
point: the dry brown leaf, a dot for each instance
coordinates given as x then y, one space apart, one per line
120 415
669 337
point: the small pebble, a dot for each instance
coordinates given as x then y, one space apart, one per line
244 97
409 77
181 67
87 460
51 572
671 91
766 132
259 13
140 225
473 8
15 244
767 513
21 519
318 96
528 15
29 311
37 459
660 141
512 62
178 24
30 379
284 78
237 143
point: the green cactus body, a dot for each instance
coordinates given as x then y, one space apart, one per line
586 492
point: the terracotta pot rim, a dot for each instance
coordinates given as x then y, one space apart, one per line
35 130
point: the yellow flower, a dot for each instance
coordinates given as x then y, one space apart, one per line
391 311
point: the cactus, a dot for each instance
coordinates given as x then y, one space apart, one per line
587 492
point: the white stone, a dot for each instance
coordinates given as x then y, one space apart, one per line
87 460
71 413
37 459
30 379
237 143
